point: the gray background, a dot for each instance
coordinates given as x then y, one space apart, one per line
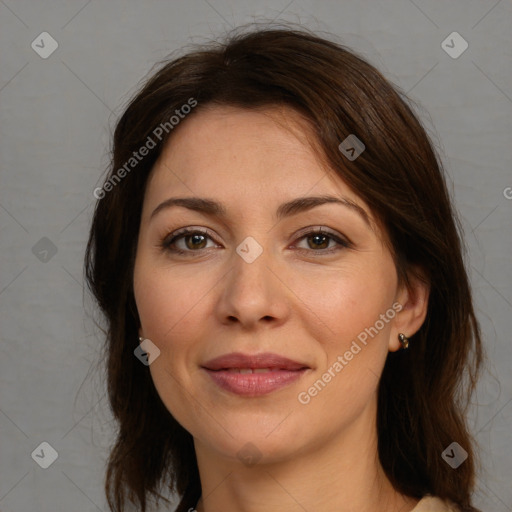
56 118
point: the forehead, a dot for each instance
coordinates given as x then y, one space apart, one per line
243 142
248 158
230 144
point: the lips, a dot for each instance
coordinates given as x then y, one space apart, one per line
253 375
265 361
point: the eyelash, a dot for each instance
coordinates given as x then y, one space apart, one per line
171 239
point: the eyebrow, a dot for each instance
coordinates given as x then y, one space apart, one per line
293 207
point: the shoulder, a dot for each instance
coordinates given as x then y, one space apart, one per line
433 504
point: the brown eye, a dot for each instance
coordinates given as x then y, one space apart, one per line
319 241
323 242
194 241
186 241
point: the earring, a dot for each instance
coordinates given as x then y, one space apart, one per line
141 338
404 340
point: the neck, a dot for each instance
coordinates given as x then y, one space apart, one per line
343 474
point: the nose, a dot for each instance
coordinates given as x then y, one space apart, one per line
252 292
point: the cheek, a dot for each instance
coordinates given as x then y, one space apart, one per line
167 303
345 303
353 310
168 310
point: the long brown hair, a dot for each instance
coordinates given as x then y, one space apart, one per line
424 391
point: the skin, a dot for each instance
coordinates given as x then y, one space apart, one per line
295 299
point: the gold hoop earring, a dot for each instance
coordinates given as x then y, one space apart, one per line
404 340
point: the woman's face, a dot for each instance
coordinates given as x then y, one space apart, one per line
257 282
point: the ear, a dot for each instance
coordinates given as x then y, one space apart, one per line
413 298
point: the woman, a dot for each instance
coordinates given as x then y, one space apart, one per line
289 316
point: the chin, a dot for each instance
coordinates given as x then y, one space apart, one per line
251 449
253 439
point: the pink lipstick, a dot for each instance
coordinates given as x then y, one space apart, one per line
253 375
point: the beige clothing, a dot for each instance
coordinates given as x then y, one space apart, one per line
431 504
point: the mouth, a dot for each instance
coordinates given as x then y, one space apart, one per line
254 375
